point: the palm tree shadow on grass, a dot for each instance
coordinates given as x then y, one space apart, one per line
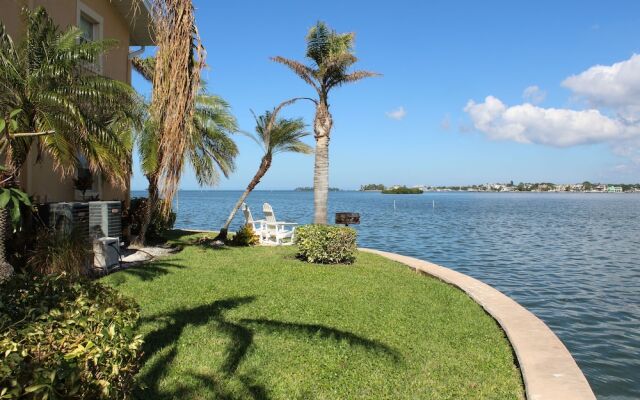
150 271
164 340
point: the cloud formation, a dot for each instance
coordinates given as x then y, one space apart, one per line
397 114
615 86
534 95
612 94
557 127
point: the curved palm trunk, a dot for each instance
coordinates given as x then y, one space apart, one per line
264 167
152 202
322 129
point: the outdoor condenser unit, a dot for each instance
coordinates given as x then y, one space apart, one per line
69 217
105 219
106 253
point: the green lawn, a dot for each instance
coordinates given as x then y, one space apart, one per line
242 323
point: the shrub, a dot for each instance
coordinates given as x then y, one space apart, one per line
159 222
66 338
56 252
325 244
245 236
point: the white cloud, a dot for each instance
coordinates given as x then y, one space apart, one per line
615 86
534 95
558 127
397 114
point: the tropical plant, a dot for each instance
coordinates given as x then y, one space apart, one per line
275 135
66 338
57 252
209 148
331 56
176 84
47 76
322 244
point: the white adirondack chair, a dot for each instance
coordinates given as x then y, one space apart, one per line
257 225
277 232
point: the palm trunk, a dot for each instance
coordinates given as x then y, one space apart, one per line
6 270
264 167
322 129
152 203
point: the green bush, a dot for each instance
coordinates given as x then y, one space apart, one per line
66 338
245 236
325 244
159 222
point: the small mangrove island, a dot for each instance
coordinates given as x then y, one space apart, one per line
402 190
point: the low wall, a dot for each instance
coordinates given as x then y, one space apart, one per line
548 369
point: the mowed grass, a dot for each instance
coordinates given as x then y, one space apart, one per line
243 323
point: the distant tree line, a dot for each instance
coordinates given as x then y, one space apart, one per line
372 186
402 190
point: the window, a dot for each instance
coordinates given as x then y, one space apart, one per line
90 24
88 28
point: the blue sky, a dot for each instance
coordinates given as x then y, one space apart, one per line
435 58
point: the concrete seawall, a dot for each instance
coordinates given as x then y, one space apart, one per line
548 369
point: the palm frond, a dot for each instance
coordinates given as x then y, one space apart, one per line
306 73
46 76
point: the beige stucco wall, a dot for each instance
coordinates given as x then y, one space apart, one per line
41 179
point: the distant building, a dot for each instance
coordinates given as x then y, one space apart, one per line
614 189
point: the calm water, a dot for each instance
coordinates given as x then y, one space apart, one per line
572 259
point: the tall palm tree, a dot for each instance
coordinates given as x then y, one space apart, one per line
331 56
275 135
48 77
209 148
176 80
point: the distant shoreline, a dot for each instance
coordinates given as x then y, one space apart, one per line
379 191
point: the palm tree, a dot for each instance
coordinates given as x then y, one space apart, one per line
331 55
176 81
48 77
210 150
275 135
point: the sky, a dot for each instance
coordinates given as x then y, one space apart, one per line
471 92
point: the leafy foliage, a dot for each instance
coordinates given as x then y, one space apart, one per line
159 223
48 75
13 199
62 338
402 190
331 54
58 252
209 149
245 236
283 135
325 244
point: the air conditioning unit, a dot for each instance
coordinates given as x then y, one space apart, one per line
105 219
69 217
106 254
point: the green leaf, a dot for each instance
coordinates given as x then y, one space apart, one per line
34 388
15 211
15 112
2 125
13 124
22 196
5 197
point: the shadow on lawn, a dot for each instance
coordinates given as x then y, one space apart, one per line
160 345
152 270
